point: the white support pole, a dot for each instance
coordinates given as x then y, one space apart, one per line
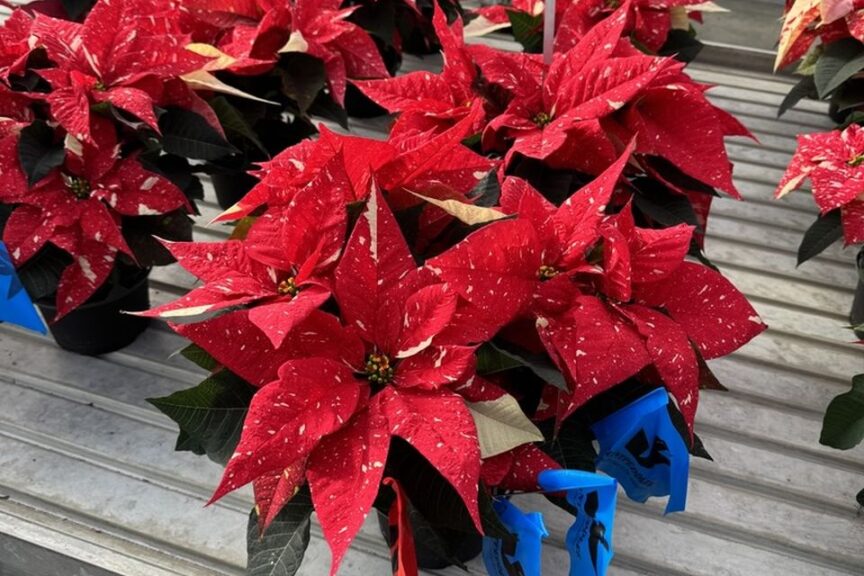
548 30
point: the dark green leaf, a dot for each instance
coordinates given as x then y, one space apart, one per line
805 88
430 538
843 426
573 447
694 446
429 492
199 357
860 498
491 361
696 252
856 117
487 193
211 414
303 78
141 233
76 9
234 122
527 30
707 379
41 274
826 230
539 364
697 448
682 45
38 151
848 97
839 62
668 210
280 550
186 443
327 108
189 135
493 527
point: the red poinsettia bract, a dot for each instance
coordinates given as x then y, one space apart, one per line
256 32
122 54
328 418
571 114
430 103
606 298
649 24
834 163
78 207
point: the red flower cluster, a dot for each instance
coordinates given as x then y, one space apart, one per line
834 163
572 114
103 75
252 34
807 21
649 24
354 342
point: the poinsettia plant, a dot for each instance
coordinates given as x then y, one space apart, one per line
832 161
415 312
826 39
562 123
97 133
655 26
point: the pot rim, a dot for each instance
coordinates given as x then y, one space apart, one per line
50 303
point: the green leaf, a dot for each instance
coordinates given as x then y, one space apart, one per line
539 364
303 78
199 357
839 62
805 88
527 30
189 135
75 9
327 108
141 232
490 360
707 379
826 230
573 447
667 210
493 527
41 274
210 414
843 426
433 539
848 97
682 45
280 550
234 122
38 152
487 192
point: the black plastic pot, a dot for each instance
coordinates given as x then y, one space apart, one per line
466 546
856 317
230 188
98 327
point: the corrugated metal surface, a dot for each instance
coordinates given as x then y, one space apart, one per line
88 472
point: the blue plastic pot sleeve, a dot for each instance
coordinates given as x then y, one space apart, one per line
642 449
593 496
15 304
522 558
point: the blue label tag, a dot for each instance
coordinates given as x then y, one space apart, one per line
589 539
15 304
522 558
642 449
